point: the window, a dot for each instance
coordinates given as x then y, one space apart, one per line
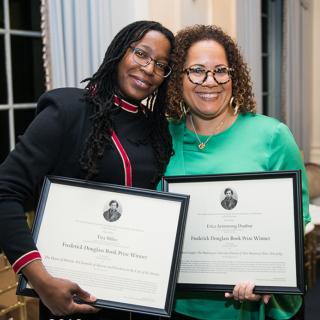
22 80
272 29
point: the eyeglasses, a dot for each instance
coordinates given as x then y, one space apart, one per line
198 75
143 59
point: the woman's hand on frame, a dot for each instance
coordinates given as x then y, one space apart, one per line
244 291
59 295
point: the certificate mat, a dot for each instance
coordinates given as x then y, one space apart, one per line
242 227
120 244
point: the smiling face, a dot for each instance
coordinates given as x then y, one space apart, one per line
136 82
210 99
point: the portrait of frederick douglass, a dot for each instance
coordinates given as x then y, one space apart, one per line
229 201
113 212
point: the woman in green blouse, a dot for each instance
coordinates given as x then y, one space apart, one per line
216 130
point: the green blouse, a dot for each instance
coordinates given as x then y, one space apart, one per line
252 143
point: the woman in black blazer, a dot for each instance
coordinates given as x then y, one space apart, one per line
102 133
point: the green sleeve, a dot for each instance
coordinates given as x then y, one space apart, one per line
285 155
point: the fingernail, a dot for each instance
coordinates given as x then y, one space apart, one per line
93 298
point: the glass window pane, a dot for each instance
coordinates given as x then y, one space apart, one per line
264 6
1 15
22 118
264 34
25 14
3 78
4 134
265 108
27 69
265 77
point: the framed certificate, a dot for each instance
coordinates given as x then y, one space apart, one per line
120 244
242 227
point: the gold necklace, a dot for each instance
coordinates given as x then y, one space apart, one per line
202 144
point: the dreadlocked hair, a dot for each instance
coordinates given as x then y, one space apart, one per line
101 88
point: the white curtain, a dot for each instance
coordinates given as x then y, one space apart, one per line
79 31
248 22
76 34
296 71
296 61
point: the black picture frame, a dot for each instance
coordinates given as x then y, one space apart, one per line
55 188
253 181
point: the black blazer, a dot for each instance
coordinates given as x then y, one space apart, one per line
52 144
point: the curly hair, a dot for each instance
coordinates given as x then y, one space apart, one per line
101 88
241 83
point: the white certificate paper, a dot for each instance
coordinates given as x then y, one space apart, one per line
120 245
242 228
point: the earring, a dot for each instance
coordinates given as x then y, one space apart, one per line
234 105
183 109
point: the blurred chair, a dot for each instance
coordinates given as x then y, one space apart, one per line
309 254
315 217
11 305
313 173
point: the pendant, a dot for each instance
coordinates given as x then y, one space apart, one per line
201 145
